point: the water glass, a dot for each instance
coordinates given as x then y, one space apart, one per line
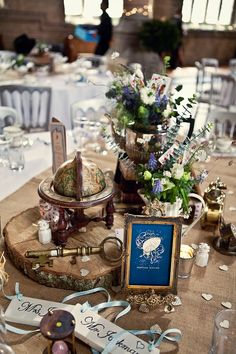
16 154
224 333
81 132
186 261
4 145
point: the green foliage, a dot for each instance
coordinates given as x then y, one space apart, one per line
160 36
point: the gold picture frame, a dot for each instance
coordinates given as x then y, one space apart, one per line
152 253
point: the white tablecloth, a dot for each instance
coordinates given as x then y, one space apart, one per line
65 90
38 157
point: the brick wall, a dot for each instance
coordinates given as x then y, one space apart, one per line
44 20
198 44
39 19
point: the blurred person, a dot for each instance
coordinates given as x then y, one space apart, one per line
177 54
104 30
23 44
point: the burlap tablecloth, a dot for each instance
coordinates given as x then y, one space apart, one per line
194 317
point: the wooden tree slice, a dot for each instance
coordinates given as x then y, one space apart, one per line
21 235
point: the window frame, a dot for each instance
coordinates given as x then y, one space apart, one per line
211 27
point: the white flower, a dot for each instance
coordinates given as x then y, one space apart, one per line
167 174
138 72
147 96
177 171
166 113
115 55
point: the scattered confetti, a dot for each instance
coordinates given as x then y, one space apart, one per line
177 301
156 327
116 289
230 192
224 324
224 267
232 209
227 304
207 297
85 259
84 272
169 309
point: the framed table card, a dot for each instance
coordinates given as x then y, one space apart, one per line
58 138
152 248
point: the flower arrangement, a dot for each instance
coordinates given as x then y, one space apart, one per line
169 177
140 103
21 64
166 169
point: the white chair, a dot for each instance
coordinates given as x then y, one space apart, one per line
223 89
232 66
205 68
93 109
224 123
86 121
31 103
8 116
221 93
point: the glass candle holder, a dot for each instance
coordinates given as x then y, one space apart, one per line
186 261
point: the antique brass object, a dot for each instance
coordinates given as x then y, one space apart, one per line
150 299
226 242
41 261
214 197
43 255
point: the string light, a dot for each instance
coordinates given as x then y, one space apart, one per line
143 10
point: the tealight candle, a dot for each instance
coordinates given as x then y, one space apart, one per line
186 251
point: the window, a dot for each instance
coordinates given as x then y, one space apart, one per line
210 14
88 11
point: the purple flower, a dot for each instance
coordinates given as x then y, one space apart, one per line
161 101
164 100
157 187
129 98
152 163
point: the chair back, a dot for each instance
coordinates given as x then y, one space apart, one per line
205 68
8 116
210 62
224 123
93 109
222 90
232 66
31 103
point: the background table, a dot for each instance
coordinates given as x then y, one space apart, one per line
38 157
65 89
194 317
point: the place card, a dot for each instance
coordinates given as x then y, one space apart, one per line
30 311
98 332
58 138
90 328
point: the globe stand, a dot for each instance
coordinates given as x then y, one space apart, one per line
75 206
